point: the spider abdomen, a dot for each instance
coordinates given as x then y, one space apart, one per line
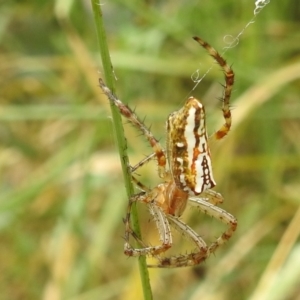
187 145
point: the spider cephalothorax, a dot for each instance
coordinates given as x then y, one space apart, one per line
188 179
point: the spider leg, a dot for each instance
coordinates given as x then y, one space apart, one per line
161 223
142 162
137 166
130 115
190 259
140 185
188 232
194 258
217 213
229 81
211 196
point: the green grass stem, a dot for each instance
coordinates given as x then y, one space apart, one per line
119 133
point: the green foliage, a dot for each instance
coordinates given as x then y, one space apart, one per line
62 196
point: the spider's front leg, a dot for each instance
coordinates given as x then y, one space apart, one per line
184 260
196 257
211 196
217 213
161 223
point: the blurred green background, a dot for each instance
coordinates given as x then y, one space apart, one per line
62 197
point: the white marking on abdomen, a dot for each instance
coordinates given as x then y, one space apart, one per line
189 134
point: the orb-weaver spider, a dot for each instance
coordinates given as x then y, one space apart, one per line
188 179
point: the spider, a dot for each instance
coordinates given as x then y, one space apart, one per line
188 179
